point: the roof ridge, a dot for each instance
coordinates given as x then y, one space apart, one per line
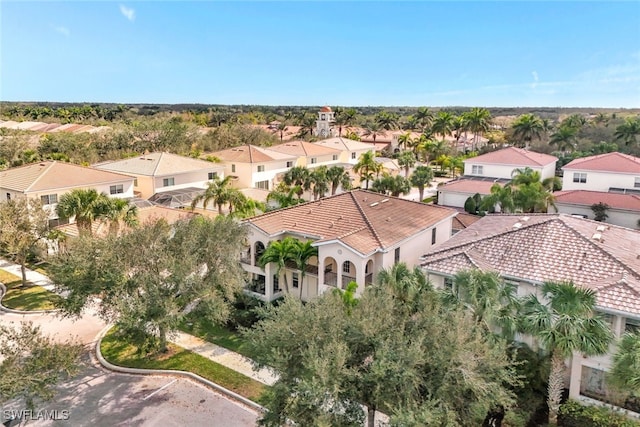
366 220
41 174
155 169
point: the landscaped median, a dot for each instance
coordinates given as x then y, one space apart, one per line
29 298
117 351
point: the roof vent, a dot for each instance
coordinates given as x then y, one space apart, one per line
309 211
384 200
517 225
332 224
340 217
601 228
374 204
524 219
388 219
597 236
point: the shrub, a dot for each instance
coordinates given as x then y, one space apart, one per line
573 414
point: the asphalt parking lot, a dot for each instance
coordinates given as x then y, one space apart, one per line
101 398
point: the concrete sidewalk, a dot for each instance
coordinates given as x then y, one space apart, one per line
32 276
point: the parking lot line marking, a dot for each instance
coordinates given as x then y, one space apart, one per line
161 388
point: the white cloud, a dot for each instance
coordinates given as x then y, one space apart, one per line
62 30
535 79
128 13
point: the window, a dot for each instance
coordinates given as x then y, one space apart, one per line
294 279
636 183
116 189
433 236
49 199
233 168
314 160
346 267
353 155
8 196
323 117
448 283
592 383
168 182
335 157
263 185
477 170
396 256
212 175
580 177
260 168
135 182
289 164
276 283
631 325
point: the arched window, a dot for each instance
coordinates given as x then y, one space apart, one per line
259 250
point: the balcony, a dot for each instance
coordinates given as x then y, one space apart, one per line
245 257
368 279
330 279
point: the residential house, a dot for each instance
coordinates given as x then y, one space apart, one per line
502 163
308 154
49 180
166 178
481 172
255 167
623 209
615 172
529 250
350 150
357 234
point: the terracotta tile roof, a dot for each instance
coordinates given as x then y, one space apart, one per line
53 175
514 156
469 186
464 220
251 154
363 220
158 164
549 247
303 148
609 162
587 198
344 144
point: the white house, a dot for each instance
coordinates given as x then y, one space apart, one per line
624 209
529 250
502 163
49 180
614 172
357 234
161 172
350 150
255 167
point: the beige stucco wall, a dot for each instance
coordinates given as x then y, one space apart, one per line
198 179
598 181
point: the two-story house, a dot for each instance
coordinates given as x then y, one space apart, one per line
612 179
49 180
164 174
254 167
308 154
481 172
530 250
350 150
357 234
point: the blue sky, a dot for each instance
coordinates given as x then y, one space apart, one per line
465 53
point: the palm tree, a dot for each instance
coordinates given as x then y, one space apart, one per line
279 252
564 322
320 182
478 121
575 121
217 192
282 127
444 161
421 178
338 177
299 178
443 124
372 129
526 128
119 211
302 253
387 121
407 160
625 372
404 140
248 208
344 118
424 117
284 196
565 138
307 124
367 167
86 205
628 131
501 196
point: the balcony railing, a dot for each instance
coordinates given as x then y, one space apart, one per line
330 279
368 279
257 286
245 258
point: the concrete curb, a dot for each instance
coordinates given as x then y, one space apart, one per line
3 290
190 375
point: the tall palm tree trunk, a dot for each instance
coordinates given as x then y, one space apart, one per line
555 387
301 282
371 416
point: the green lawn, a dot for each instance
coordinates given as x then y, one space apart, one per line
119 352
220 335
31 297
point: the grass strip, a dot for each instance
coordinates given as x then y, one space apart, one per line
29 298
119 352
220 335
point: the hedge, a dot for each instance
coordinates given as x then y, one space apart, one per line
573 414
